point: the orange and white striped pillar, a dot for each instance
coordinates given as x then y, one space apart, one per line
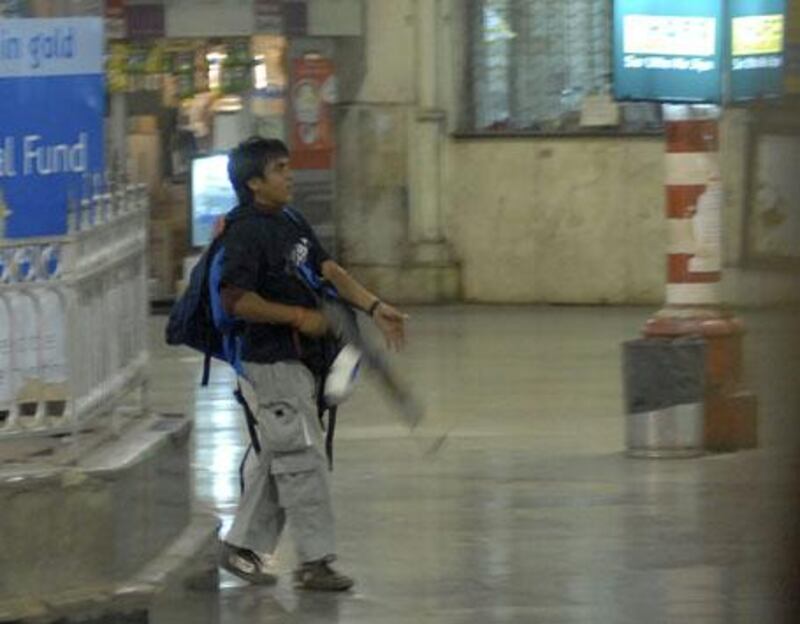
694 206
694 305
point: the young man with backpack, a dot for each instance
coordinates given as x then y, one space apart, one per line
285 347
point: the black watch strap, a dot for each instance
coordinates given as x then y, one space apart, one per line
374 307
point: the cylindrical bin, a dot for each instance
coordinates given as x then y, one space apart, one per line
664 397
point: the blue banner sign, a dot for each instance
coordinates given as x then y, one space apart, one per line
757 48
668 50
52 106
704 51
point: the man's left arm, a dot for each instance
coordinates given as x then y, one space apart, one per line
389 320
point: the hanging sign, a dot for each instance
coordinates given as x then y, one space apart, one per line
757 48
269 16
115 19
703 51
792 74
668 50
313 93
46 149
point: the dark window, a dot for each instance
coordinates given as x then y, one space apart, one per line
534 63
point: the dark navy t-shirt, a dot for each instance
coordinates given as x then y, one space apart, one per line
261 251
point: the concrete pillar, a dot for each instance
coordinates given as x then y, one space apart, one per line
427 136
393 148
694 306
117 133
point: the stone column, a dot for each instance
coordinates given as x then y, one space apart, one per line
430 256
392 152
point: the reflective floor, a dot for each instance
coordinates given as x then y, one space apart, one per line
529 512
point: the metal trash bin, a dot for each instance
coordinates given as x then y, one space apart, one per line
664 383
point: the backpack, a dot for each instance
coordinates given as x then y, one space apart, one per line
198 320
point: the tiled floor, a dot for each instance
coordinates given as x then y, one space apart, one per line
529 512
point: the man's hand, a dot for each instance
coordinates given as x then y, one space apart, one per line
310 322
391 322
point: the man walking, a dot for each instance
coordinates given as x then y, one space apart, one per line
283 357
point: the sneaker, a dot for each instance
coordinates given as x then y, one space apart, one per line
245 564
319 575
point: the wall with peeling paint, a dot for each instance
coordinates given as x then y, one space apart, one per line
558 220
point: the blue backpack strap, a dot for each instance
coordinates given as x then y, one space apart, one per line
242 465
228 326
311 278
230 330
294 216
330 432
249 417
206 368
318 285
208 259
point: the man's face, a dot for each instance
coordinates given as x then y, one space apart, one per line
274 188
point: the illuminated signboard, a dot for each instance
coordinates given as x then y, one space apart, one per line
668 50
792 72
757 47
686 50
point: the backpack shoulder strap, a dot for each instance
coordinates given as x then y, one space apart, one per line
295 216
249 417
228 327
329 434
206 369
208 262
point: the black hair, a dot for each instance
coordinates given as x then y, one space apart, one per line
247 161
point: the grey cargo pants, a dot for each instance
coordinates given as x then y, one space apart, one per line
289 478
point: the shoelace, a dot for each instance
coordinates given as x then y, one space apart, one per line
248 561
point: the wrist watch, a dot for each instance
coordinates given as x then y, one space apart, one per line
374 307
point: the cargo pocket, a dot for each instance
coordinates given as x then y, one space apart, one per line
284 426
300 478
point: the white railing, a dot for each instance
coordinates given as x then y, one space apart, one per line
73 317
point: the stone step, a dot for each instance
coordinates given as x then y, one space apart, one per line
82 533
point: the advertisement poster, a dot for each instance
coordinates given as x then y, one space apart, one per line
313 92
705 51
793 48
182 57
269 16
757 48
115 19
117 67
145 21
668 50
46 150
236 75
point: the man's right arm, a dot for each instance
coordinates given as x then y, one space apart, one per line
253 308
